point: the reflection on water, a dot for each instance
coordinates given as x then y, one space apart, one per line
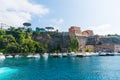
1 61
6 71
45 58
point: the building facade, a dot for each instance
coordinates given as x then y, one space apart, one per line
74 30
117 48
87 33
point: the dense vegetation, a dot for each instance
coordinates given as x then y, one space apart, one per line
18 40
73 44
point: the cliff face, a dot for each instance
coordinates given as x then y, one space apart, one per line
103 40
82 42
55 42
115 40
58 42
92 42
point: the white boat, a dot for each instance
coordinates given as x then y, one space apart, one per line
80 54
64 55
17 56
110 54
45 55
102 54
2 56
94 53
88 54
9 56
116 53
59 54
56 55
36 56
72 54
30 56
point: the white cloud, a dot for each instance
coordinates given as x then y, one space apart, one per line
60 20
57 21
16 12
104 29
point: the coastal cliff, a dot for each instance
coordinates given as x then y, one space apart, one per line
56 42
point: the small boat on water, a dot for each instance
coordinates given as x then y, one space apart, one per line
17 56
116 54
106 54
9 56
80 55
110 54
59 54
36 55
94 53
64 54
56 55
2 56
72 54
87 54
30 56
33 56
102 54
45 55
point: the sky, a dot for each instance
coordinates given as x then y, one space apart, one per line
101 16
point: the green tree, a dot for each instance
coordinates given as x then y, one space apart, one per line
73 46
2 32
87 50
12 48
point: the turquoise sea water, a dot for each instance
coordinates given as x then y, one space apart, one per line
86 68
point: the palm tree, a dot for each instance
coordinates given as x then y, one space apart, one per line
49 28
26 24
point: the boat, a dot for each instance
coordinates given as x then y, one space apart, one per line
45 55
106 54
94 53
87 54
56 55
36 55
116 53
72 54
64 55
110 54
2 56
17 56
9 56
79 55
59 54
102 54
30 56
